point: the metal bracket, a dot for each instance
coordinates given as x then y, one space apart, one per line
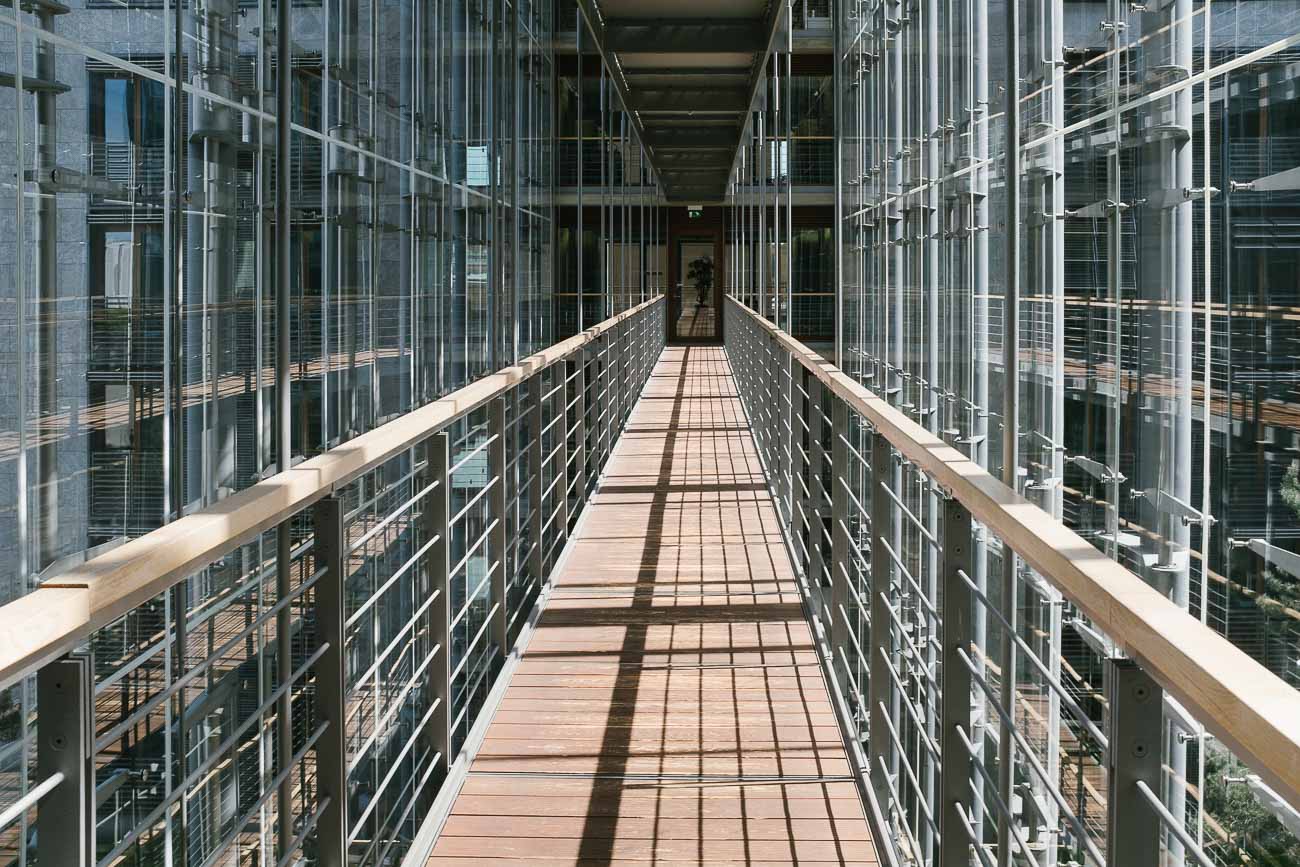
1171 505
1096 469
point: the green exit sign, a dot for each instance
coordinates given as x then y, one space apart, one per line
694 212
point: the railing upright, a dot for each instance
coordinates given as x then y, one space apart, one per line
1136 731
956 833
65 826
436 517
793 439
581 435
879 642
840 570
498 515
331 682
536 477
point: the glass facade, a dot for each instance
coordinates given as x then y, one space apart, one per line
143 358
1116 177
783 193
140 259
609 212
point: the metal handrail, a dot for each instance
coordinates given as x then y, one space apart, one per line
1254 712
53 619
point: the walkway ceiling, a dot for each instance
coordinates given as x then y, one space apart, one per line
690 70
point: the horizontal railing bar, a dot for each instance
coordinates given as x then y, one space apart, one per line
1073 706
148 705
390 517
56 617
1030 756
27 801
1254 712
1175 827
382 589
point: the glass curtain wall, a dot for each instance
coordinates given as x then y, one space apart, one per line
781 219
609 239
1138 229
145 229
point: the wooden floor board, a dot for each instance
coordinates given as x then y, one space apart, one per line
670 708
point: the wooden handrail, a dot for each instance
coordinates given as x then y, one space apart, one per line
63 612
1241 702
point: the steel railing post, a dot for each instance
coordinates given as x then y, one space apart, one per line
955 684
840 569
497 515
65 819
580 427
330 695
604 399
1135 749
794 481
880 641
435 518
536 484
772 401
817 493
560 463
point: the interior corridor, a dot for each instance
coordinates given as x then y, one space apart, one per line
669 708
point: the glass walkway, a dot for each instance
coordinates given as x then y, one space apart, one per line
670 706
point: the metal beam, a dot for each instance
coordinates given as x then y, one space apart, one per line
684 36
725 100
677 73
661 138
678 160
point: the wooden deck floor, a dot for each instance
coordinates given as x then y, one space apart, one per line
669 708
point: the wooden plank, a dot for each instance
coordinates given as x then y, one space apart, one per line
673 650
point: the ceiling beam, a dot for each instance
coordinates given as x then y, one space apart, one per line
711 164
681 138
729 100
713 73
685 36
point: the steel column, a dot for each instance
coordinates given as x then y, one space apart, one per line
536 485
435 517
817 493
955 712
330 695
840 570
536 454
880 641
580 427
1136 735
497 513
794 440
65 820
